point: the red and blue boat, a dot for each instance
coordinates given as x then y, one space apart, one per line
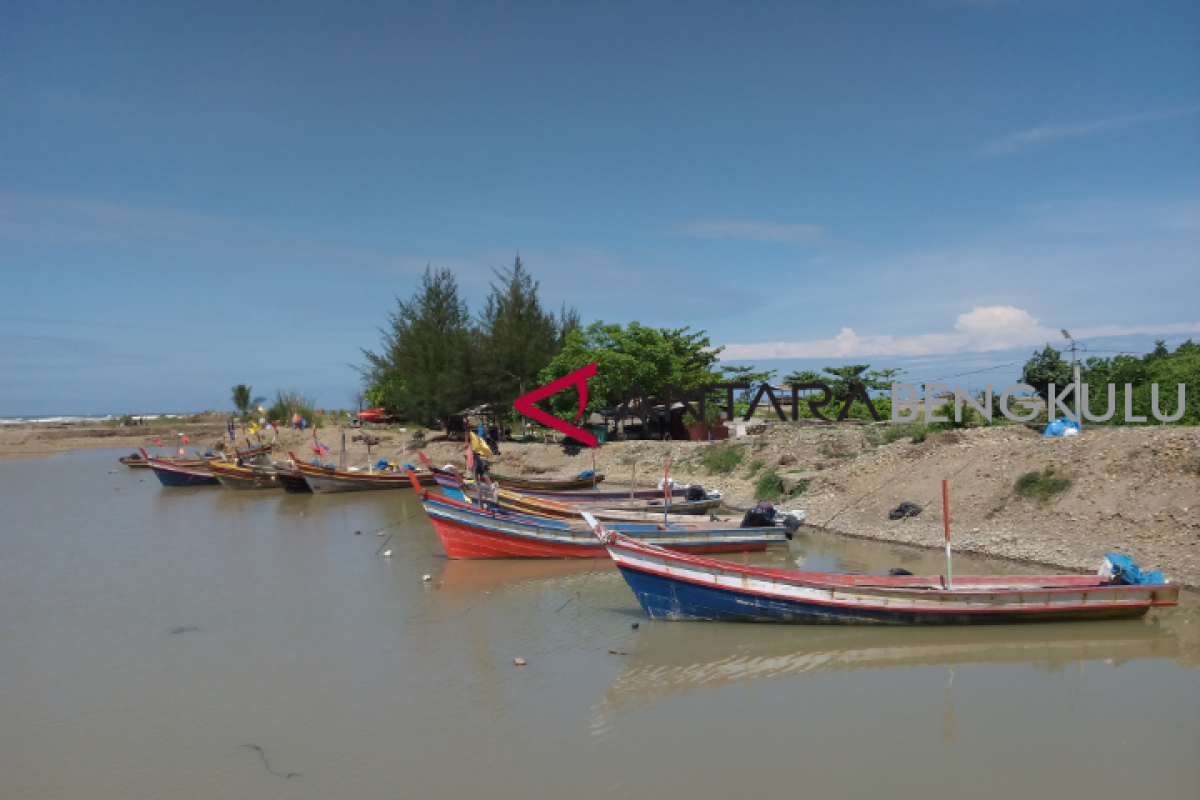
182 473
467 531
683 586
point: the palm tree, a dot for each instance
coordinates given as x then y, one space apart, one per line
241 398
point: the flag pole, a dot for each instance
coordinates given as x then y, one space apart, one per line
593 469
946 519
633 488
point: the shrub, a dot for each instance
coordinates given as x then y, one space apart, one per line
769 487
721 459
1040 485
291 402
754 467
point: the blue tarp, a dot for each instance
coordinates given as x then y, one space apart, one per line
1127 572
409 466
587 473
328 466
1060 426
381 464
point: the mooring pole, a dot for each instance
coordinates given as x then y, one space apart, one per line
667 490
946 518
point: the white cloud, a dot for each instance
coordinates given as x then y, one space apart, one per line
982 329
1042 134
754 230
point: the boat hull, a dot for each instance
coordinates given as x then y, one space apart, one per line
469 533
183 476
664 598
327 480
232 476
522 484
676 587
292 481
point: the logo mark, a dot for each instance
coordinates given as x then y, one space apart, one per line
578 379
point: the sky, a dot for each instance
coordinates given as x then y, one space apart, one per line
194 195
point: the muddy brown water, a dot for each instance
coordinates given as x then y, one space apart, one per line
209 643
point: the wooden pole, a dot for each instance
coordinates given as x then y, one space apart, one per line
633 488
593 469
667 490
946 519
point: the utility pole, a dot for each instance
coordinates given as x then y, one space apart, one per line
1075 370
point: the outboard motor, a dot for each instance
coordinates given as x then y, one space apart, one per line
695 493
761 516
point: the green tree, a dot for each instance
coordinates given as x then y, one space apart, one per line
242 400
650 357
425 368
1167 369
517 337
1045 368
847 377
803 376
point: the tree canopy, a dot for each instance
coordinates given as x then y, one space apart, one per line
423 369
242 399
649 357
1044 368
1167 369
435 359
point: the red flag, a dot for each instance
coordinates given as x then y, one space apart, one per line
158 442
186 440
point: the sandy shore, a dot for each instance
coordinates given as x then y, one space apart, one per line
1133 490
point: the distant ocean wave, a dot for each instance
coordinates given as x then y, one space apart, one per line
90 418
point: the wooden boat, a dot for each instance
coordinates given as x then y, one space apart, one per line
522 503
135 461
679 586
292 480
322 479
526 484
466 531
604 498
180 473
237 476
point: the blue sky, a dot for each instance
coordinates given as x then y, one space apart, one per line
197 195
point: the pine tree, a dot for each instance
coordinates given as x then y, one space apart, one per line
425 369
517 337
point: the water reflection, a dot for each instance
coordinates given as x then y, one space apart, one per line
688 657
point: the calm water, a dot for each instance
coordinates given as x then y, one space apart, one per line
148 637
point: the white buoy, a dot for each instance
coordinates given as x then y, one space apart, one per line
426 577
387 553
520 662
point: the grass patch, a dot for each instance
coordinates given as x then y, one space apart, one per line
754 467
801 488
769 487
721 459
1040 485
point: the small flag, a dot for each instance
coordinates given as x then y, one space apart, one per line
186 440
480 446
158 442
274 427
231 432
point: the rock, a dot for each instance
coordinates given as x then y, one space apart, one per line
359 533
788 458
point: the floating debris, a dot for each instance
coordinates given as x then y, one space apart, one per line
387 553
430 577
520 662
